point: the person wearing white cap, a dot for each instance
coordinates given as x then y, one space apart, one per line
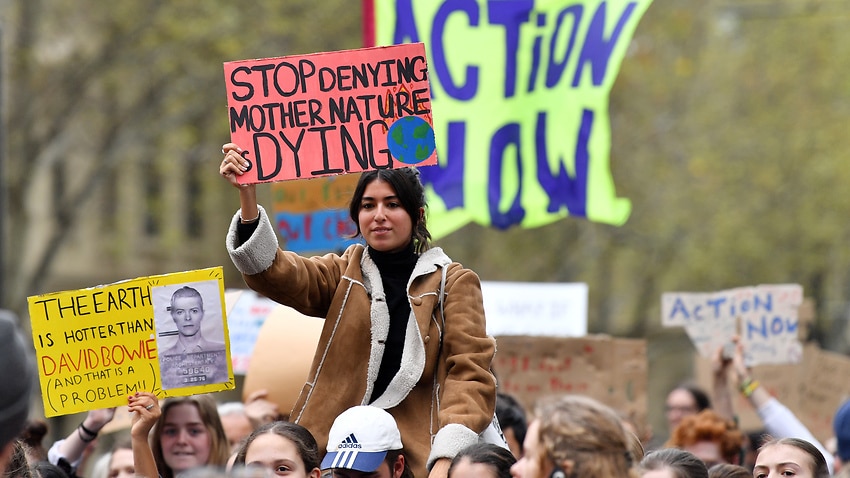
365 441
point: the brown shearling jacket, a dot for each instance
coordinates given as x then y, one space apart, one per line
443 396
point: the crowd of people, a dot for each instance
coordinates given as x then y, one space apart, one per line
401 384
564 436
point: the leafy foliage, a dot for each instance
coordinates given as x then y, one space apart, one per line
122 96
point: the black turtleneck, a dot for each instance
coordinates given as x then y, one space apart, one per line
396 269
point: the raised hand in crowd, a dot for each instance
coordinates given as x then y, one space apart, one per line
69 452
145 411
779 421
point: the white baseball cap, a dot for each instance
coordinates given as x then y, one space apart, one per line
360 438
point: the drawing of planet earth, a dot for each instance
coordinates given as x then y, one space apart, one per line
411 140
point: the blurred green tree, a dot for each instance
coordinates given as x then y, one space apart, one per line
113 120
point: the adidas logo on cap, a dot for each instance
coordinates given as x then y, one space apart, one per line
349 442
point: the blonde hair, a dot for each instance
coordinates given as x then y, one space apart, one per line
587 433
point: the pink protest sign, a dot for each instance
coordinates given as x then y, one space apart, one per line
331 113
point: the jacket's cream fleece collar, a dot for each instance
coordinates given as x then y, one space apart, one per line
413 356
258 252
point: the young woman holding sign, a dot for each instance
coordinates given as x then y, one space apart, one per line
386 341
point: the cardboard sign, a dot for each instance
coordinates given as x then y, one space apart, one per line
812 389
164 334
331 113
765 317
611 370
824 388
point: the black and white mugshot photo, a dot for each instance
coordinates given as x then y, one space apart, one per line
190 334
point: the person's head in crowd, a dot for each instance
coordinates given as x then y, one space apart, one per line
672 463
379 448
575 436
33 436
512 419
45 469
188 434
120 464
100 467
841 428
684 400
18 378
726 470
790 457
16 464
236 424
283 448
482 460
710 437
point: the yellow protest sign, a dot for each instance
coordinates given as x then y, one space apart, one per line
165 334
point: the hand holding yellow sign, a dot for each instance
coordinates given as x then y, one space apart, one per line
164 334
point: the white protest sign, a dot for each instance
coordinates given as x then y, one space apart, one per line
245 316
535 308
764 316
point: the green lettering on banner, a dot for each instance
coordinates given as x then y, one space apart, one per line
520 93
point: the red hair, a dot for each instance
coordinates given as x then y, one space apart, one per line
708 426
